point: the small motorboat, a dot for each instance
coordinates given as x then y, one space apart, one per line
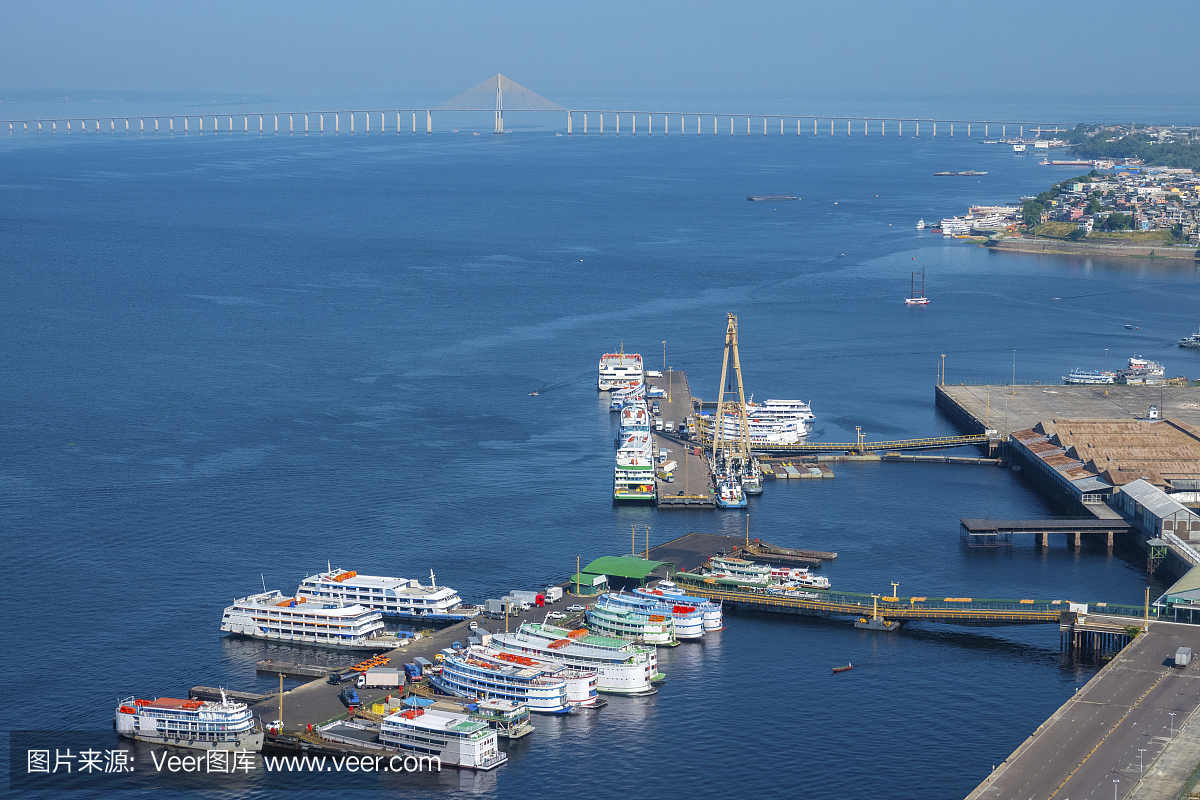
534 393
836 670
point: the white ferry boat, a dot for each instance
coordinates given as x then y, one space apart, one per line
638 444
633 479
395 598
798 577
294 620
920 224
633 420
1191 341
475 673
711 611
621 667
689 619
198 724
454 739
619 371
1142 371
739 570
611 619
581 683
762 431
1089 376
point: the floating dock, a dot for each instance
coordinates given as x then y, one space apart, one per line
214 694
294 670
788 470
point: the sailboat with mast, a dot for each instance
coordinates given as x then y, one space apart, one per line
914 299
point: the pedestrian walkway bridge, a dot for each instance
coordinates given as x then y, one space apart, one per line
934 609
929 443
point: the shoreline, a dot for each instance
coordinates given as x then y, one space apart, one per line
1059 247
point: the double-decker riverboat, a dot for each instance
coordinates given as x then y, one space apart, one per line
197 724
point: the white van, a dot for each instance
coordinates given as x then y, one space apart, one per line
670 426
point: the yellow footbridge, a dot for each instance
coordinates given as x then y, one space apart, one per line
861 446
823 603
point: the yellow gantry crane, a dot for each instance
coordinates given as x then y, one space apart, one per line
718 435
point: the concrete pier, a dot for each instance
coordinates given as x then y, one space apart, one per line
692 486
1013 408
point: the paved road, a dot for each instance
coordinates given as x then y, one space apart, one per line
1094 738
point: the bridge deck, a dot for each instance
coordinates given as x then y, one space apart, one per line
940 609
929 443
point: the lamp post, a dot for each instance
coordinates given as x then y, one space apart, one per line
1014 374
664 356
943 369
1115 782
1172 715
1141 769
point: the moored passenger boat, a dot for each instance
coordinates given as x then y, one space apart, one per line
739 570
798 577
710 610
475 673
395 598
1089 376
294 620
633 479
196 724
581 683
621 666
688 619
454 739
612 619
619 370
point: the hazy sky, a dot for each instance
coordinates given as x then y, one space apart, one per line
306 48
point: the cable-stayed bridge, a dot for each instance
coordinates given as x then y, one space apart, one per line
499 94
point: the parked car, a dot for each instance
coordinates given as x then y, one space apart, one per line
473 626
576 607
556 615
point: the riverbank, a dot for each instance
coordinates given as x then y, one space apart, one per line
1059 247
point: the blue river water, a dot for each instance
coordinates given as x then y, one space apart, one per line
231 359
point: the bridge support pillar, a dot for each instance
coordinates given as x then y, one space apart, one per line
1110 541
1076 539
1043 539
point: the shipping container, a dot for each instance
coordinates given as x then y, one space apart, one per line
1183 657
383 678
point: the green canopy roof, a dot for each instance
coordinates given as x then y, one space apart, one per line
623 567
1188 583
